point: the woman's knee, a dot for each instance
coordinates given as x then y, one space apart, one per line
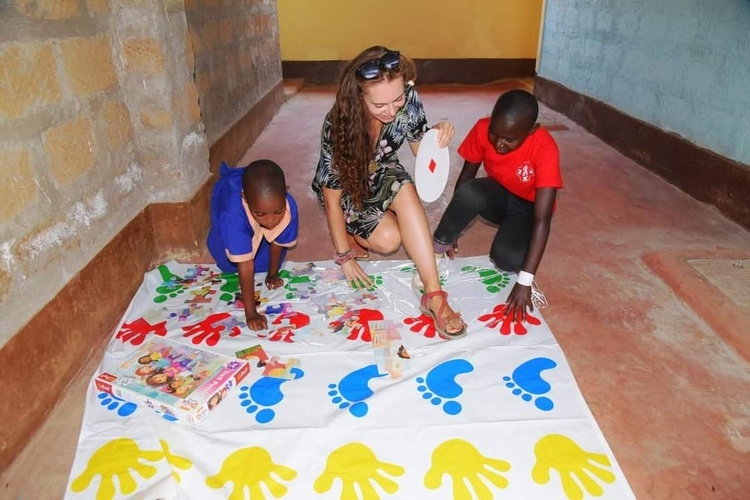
387 236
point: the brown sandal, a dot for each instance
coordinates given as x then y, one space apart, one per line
438 319
357 250
360 253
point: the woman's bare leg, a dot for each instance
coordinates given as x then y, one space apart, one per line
386 238
417 240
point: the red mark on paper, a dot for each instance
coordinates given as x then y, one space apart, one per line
422 324
136 331
432 166
357 322
498 316
210 330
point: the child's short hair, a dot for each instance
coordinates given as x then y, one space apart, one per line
516 106
263 178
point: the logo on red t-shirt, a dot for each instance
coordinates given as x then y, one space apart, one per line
525 172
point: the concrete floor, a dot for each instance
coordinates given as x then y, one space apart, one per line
672 398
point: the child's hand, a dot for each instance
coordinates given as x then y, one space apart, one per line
445 133
274 282
452 251
255 321
518 302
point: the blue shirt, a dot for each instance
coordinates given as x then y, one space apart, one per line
234 225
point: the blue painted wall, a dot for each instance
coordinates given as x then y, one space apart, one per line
681 65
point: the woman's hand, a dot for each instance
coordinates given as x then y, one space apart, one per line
355 275
445 133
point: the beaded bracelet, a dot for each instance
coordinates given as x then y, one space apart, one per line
344 257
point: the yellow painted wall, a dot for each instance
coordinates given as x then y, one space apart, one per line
319 30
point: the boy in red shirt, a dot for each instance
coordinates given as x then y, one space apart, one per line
523 175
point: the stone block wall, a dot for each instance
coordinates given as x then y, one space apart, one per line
99 116
237 57
104 166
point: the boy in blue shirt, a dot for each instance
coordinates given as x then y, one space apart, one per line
253 222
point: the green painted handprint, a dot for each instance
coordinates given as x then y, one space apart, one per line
492 279
292 282
376 279
170 287
408 269
118 458
417 281
230 287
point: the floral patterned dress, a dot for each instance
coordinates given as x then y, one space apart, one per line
386 174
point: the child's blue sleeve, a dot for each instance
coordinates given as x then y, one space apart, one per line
237 235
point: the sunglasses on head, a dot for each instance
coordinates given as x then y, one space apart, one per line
371 69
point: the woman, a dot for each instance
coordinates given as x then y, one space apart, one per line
369 199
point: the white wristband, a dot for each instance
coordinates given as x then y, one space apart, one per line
524 278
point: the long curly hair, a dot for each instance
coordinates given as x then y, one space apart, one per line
353 147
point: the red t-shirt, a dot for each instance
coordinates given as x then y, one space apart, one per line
535 164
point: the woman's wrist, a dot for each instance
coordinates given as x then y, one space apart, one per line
343 257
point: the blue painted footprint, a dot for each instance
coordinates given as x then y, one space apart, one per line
440 383
113 403
124 408
264 393
353 389
527 382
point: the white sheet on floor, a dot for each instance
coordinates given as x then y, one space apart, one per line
495 414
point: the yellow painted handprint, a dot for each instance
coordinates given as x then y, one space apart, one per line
555 451
251 468
176 461
117 458
356 464
463 463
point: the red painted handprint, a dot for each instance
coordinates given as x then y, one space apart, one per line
285 333
357 321
498 316
210 329
137 331
295 319
422 324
